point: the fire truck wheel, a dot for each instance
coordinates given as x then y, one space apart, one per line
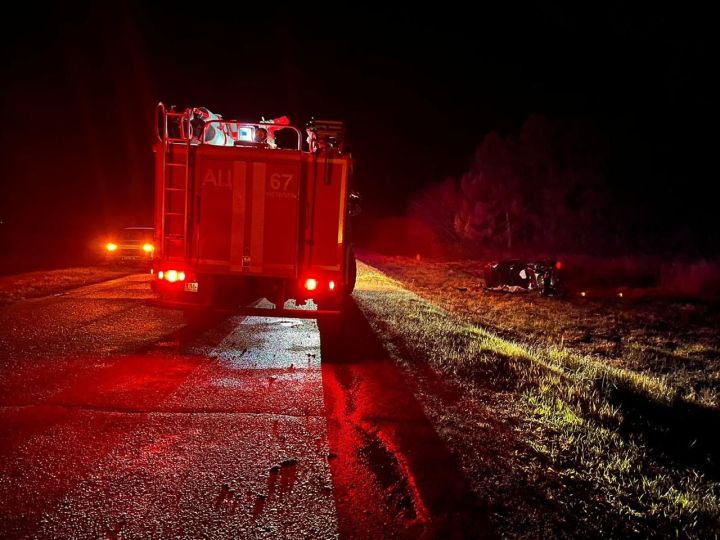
200 319
333 348
331 304
352 274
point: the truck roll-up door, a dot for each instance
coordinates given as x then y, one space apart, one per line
247 219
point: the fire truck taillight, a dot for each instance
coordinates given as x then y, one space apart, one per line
331 285
110 246
148 248
311 284
171 276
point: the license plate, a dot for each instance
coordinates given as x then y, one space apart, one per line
191 287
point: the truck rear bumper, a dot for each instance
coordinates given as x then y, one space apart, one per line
246 311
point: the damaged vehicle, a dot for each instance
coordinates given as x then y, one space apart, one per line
523 276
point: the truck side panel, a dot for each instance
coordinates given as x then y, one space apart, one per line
327 184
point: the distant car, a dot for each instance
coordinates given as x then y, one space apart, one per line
523 276
131 245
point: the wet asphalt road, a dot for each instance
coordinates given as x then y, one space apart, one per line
119 421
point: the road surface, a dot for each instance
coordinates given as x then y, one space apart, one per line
119 421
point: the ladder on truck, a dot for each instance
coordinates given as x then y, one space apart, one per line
174 130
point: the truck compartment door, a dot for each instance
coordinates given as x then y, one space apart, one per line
247 218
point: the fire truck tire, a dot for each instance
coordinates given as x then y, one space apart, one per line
352 274
332 304
333 348
200 319
192 317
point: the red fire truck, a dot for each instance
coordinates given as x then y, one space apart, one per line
240 217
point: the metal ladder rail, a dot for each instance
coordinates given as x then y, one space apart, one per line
185 132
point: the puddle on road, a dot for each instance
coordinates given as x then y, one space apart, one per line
266 343
289 324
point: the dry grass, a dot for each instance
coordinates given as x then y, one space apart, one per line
675 341
615 449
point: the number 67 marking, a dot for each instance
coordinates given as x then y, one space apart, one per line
280 181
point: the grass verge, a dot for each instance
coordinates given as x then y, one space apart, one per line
624 451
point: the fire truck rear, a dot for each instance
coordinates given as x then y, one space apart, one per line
239 218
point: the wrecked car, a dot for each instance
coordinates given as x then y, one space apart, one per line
523 276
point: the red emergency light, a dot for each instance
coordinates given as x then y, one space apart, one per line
171 276
311 284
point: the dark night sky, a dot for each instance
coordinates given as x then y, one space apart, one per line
418 91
